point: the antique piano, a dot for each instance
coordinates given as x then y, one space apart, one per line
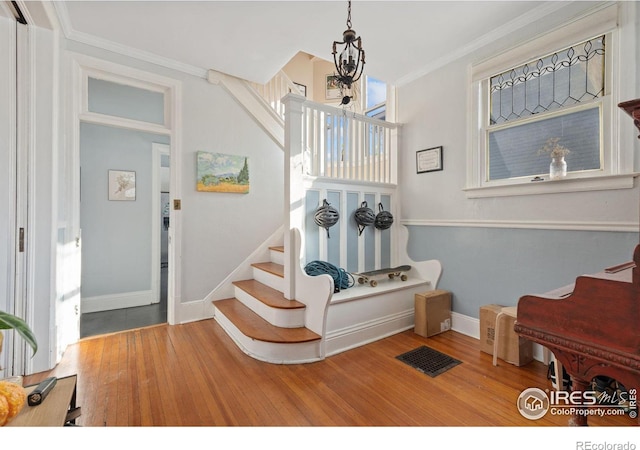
593 327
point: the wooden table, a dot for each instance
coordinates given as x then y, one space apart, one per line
57 409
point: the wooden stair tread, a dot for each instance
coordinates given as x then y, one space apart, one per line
271 267
267 295
255 327
277 248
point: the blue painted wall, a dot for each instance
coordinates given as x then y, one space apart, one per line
349 238
499 265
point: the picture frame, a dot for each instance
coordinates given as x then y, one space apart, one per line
429 160
302 88
332 90
220 172
122 185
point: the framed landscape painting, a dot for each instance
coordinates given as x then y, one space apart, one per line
219 172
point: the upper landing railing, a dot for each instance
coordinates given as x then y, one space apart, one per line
337 143
344 145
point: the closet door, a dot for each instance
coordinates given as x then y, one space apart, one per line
8 168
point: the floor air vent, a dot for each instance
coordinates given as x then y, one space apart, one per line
428 361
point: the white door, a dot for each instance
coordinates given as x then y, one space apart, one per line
7 180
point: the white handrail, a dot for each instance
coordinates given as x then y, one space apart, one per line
276 88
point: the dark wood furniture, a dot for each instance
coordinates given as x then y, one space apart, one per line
592 328
57 409
632 107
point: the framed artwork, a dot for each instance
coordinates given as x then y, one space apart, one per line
332 90
429 160
302 88
218 172
122 185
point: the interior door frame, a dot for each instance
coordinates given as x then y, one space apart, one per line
83 67
158 150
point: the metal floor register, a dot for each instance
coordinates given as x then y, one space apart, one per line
428 360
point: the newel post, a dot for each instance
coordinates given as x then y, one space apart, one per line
293 186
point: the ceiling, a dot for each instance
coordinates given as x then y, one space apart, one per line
255 39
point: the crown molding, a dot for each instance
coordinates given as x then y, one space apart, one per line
124 50
524 20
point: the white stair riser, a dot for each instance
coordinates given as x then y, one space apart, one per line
304 352
276 257
285 318
273 281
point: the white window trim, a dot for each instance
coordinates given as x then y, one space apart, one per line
617 171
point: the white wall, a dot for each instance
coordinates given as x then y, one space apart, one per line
300 70
493 249
218 230
221 230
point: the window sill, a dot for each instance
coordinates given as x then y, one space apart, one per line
602 183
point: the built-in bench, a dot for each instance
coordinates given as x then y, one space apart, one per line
362 314
359 291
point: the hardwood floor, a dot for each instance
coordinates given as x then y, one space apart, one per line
193 375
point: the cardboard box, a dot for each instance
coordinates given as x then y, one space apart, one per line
511 348
432 312
488 315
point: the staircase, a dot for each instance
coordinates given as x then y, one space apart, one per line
262 322
269 306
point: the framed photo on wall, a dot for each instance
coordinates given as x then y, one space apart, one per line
122 185
302 88
429 160
332 91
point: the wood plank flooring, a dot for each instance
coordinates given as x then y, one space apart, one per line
193 375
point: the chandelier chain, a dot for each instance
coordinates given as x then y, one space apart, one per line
349 15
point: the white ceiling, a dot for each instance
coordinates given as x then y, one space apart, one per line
255 39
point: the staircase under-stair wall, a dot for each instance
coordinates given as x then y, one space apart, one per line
269 306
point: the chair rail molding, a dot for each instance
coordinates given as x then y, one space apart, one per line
627 227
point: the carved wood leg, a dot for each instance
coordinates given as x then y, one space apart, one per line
578 420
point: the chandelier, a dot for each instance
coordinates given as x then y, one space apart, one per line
350 63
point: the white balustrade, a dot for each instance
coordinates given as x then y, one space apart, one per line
274 90
338 143
347 146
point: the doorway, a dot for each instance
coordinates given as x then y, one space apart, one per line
126 276
124 217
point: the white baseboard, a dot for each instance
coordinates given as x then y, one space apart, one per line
360 334
354 336
118 301
466 325
193 311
